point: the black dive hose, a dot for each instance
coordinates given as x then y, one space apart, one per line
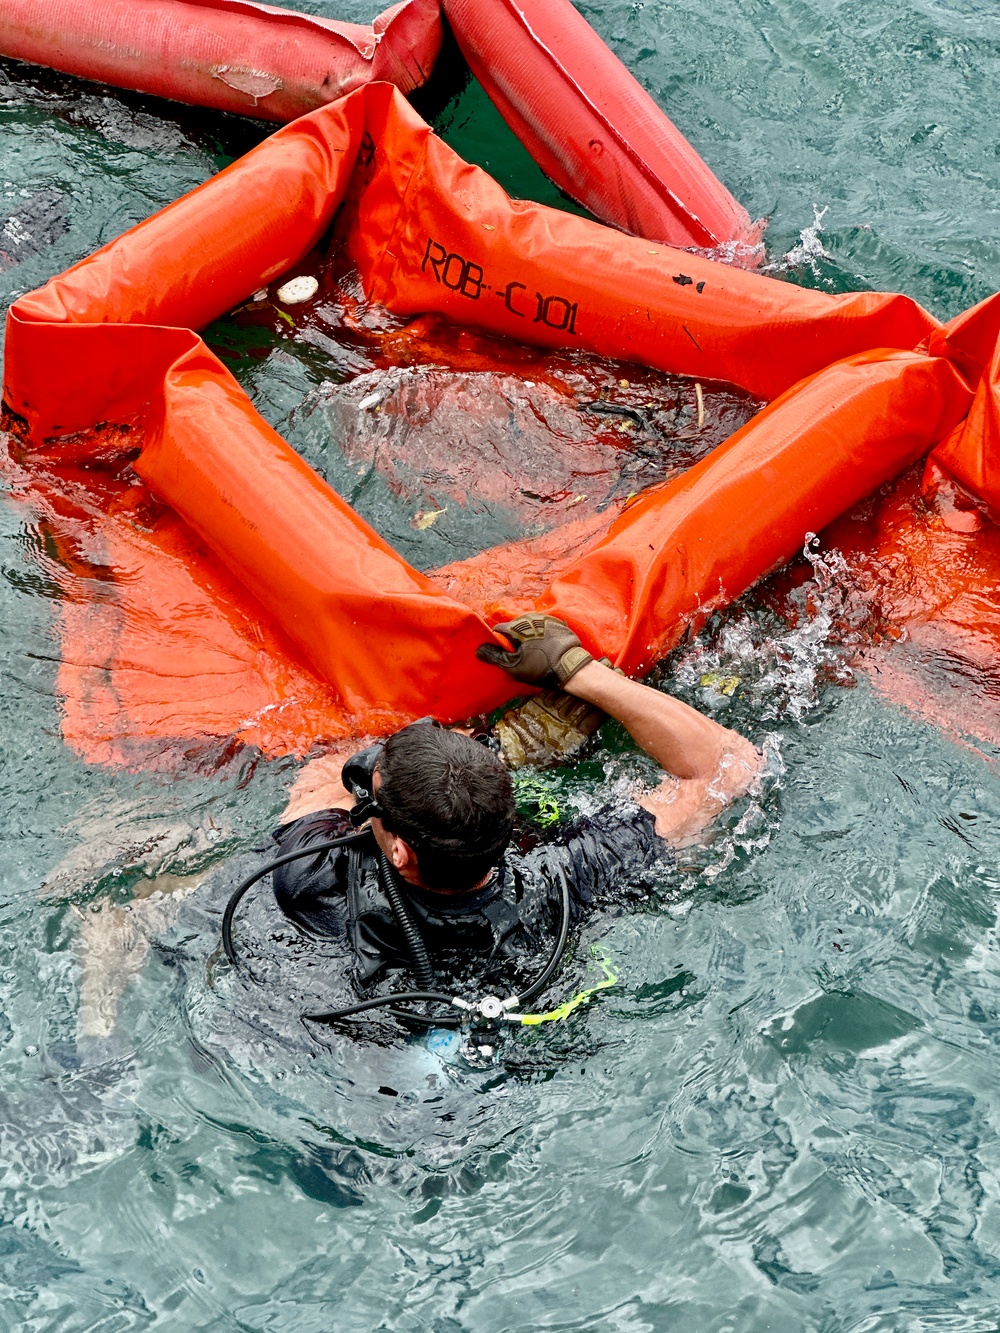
411 933
415 945
419 960
237 896
377 1001
401 997
549 971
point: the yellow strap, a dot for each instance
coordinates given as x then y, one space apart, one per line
581 997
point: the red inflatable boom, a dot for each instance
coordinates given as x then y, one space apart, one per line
587 122
593 129
232 54
861 385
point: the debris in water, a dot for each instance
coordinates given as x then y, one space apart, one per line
298 290
426 517
721 684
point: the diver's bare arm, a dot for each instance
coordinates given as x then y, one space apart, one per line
318 786
683 741
710 765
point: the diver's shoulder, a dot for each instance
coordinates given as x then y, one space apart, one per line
328 823
623 830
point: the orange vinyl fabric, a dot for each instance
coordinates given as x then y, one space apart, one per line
861 385
232 54
972 454
920 566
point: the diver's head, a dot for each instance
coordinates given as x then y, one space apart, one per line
447 807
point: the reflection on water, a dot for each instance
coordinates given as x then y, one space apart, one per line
785 1114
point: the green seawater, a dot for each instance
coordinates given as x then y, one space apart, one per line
785 1114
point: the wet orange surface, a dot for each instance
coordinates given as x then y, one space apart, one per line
163 643
164 656
923 567
162 653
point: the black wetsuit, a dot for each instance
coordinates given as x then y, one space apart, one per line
498 933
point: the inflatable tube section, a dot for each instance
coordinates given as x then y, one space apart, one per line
858 398
593 129
971 455
231 54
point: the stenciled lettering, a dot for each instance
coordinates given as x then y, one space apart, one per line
508 297
435 260
453 270
555 312
366 153
466 277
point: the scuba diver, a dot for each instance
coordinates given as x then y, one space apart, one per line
407 852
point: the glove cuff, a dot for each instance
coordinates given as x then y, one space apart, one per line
571 662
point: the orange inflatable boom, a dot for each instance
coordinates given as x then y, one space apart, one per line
232 54
861 385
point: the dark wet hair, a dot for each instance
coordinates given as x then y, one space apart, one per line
451 799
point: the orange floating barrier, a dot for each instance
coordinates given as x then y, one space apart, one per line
860 387
232 54
971 455
593 129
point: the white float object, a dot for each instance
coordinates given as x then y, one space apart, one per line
298 290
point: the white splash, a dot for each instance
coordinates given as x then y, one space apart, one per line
810 248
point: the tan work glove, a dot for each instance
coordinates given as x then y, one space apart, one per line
546 730
546 651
